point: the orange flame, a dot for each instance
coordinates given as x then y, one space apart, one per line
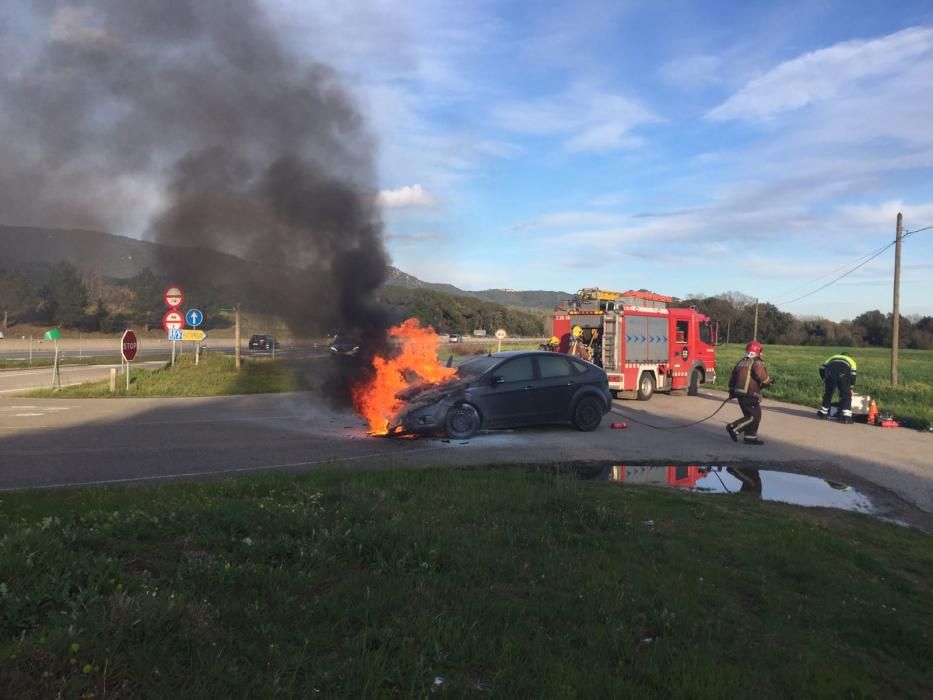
414 360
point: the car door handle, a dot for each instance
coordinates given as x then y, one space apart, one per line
571 384
529 387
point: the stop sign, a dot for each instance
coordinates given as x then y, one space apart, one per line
173 320
129 346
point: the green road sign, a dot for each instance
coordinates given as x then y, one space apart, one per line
228 309
53 334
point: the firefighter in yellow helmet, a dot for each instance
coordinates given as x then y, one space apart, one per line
578 346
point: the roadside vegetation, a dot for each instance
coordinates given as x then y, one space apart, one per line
796 369
216 375
509 582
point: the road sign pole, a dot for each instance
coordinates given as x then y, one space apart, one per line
237 340
197 354
30 349
500 345
173 353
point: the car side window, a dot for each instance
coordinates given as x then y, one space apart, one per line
520 369
578 366
551 366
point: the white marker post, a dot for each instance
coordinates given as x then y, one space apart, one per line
500 334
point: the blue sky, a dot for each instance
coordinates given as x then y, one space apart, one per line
684 147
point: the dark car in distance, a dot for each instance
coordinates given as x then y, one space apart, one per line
510 389
263 342
345 346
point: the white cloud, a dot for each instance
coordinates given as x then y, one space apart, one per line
588 119
408 196
820 75
693 72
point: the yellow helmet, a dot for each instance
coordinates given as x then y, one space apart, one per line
555 340
577 332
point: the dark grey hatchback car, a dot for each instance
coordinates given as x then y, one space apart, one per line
510 389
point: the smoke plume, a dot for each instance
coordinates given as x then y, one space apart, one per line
195 114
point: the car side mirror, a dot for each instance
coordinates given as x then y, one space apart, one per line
498 380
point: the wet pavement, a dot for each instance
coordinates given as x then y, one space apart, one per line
765 484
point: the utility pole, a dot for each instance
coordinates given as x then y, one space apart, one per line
237 340
755 332
896 320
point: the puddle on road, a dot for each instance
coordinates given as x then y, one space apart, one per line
767 484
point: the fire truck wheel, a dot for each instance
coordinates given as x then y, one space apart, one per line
462 422
696 378
588 414
646 386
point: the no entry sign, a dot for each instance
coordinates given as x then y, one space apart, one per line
129 346
173 297
173 321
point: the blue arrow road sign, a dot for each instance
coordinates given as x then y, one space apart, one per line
194 317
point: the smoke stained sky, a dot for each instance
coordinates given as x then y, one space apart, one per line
196 115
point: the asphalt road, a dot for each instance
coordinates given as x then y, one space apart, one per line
17 381
55 443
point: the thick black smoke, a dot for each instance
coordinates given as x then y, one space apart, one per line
196 111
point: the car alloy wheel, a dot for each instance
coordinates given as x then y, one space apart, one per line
588 414
462 422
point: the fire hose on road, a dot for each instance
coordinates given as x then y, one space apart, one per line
674 427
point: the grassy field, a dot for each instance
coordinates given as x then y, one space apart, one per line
215 376
517 583
796 369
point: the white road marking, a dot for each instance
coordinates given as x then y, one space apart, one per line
27 415
215 472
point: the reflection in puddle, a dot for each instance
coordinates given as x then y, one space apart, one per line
766 484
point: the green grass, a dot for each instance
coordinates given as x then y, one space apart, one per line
39 362
216 375
522 583
796 369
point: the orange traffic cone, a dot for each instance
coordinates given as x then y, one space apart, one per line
872 413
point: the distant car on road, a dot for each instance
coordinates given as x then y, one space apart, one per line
455 338
509 389
345 346
263 342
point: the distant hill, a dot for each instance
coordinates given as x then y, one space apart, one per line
34 250
529 300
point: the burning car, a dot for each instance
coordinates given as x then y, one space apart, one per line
508 389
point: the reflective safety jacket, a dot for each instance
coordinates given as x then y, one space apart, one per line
839 365
748 377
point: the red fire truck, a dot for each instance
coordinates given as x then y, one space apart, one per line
642 344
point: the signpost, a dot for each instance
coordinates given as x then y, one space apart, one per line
129 345
501 334
54 334
194 317
173 321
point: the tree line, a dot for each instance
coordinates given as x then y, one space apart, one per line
735 313
70 299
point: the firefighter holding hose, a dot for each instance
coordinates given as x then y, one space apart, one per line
745 384
838 373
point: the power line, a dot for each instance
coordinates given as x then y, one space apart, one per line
845 274
916 230
864 261
838 269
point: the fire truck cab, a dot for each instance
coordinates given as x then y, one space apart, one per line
643 345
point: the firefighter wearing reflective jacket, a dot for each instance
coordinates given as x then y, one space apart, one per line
748 379
838 372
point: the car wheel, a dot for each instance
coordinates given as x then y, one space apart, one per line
695 379
646 386
462 422
588 414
